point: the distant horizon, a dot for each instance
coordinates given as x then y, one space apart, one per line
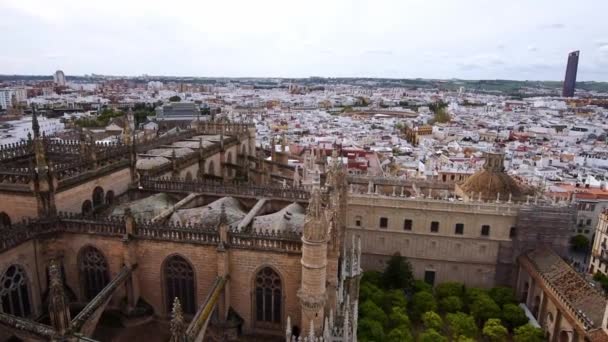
295 78
430 39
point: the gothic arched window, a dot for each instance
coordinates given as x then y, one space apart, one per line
179 282
5 220
98 197
93 271
110 197
211 168
87 207
268 295
14 292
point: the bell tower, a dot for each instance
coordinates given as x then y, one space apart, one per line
312 292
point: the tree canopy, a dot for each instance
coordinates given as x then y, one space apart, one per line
431 335
494 331
579 243
423 302
397 308
432 320
175 98
461 324
528 333
514 316
451 304
398 274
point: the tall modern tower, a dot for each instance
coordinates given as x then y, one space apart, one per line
570 80
59 78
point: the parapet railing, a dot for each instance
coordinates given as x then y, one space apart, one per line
427 203
120 227
189 159
266 240
165 140
225 189
16 150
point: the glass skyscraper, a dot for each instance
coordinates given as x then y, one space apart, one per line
570 80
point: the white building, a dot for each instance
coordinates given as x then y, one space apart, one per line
6 96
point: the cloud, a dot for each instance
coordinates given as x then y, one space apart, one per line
532 48
481 61
554 26
378 52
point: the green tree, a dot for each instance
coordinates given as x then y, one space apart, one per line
437 106
529 333
441 116
432 320
462 338
602 279
494 330
421 285
398 274
175 98
514 316
449 289
579 243
461 324
370 331
473 293
393 298
484 308
371 311
399 318
372 277
423 302
431 335
371 292
451 304
502 295
400 334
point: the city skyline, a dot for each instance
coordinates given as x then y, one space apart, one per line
387 39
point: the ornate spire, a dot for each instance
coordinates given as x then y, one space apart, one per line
223 218
315 207
177 322
127 132
316 224
58 307
35 125
311 330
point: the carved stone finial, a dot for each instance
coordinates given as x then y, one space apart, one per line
177 322
59 311
223 217
35 125
311 330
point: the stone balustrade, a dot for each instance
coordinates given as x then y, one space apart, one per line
146 230
225 189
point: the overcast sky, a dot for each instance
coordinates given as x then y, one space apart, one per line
470 39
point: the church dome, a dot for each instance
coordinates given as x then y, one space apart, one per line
491 181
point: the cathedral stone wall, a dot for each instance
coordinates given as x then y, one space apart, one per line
244 265
27 256
151 255
213 163
71 200
69 246
18 205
